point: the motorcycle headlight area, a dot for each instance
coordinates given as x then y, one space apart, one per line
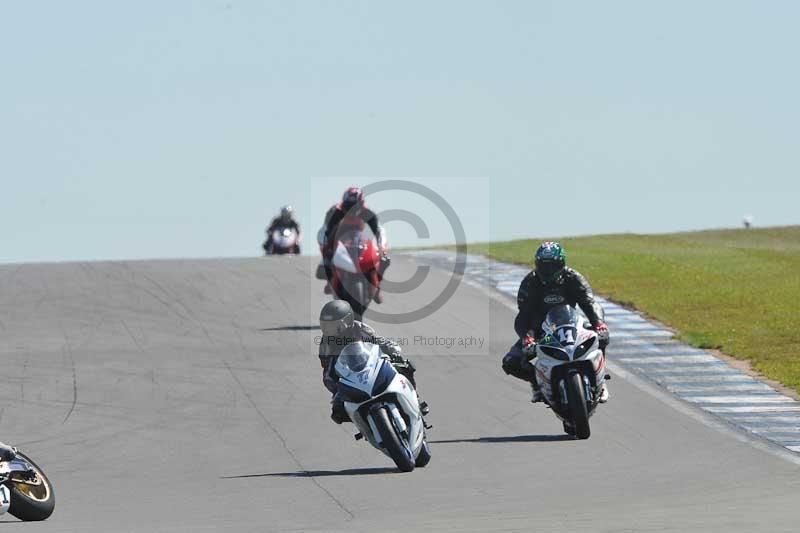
582 348
555 353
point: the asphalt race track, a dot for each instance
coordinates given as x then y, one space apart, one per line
186 396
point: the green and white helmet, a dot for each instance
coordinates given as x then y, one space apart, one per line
550 262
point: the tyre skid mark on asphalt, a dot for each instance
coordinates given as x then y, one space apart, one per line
649 349
258 410
175 304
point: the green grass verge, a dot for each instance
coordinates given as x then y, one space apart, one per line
734 290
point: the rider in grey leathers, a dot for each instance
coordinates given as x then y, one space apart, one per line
339 328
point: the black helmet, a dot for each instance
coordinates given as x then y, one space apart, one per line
550 262
286 212
336 317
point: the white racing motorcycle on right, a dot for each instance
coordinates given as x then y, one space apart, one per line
570 368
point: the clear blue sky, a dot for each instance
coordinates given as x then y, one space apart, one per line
169 129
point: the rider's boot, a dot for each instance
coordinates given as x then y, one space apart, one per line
327 289
375 281
338 412
603 394
423 406
537 394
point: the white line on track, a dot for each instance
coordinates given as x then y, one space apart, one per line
711 387
652 360
738 399
787 408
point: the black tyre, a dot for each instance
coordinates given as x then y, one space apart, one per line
577 406
356 294
31 502
424 456
391 441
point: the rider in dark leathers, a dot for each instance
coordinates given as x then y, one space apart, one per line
551 283
339 328
352 213
284 220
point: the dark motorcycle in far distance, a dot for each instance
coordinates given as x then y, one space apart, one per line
355 271
25 491
284 242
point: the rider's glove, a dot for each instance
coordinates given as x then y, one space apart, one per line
529 345
528 341
601 327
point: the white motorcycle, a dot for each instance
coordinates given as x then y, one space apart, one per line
382 404
284 242
25 491
570 368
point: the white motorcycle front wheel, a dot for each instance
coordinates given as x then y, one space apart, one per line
577 405
424 456
391 441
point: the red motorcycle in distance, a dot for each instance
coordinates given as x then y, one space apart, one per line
356 265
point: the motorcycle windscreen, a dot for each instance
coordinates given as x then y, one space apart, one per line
562 315
355 357
358 365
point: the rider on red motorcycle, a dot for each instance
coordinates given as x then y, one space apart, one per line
352 214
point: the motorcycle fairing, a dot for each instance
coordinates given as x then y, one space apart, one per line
342 259
377 384
399 395
365 378
284 238
368 260
551 374
5 499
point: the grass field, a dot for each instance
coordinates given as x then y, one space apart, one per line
733 290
